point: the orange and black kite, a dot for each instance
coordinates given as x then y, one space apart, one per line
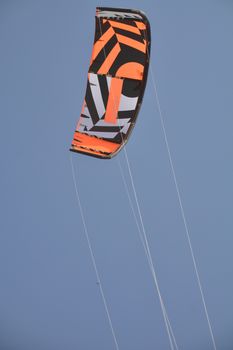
116 82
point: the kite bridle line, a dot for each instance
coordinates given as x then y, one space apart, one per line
152 75
145 249
142 233
93 256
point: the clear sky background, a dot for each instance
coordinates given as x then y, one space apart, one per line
49 298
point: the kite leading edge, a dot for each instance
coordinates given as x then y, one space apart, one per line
116 82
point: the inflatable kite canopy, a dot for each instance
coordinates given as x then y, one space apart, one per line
116 82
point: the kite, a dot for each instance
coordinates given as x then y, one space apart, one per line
116 82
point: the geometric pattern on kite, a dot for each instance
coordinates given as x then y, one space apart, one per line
116 82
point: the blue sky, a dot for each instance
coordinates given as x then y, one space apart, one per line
49 298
